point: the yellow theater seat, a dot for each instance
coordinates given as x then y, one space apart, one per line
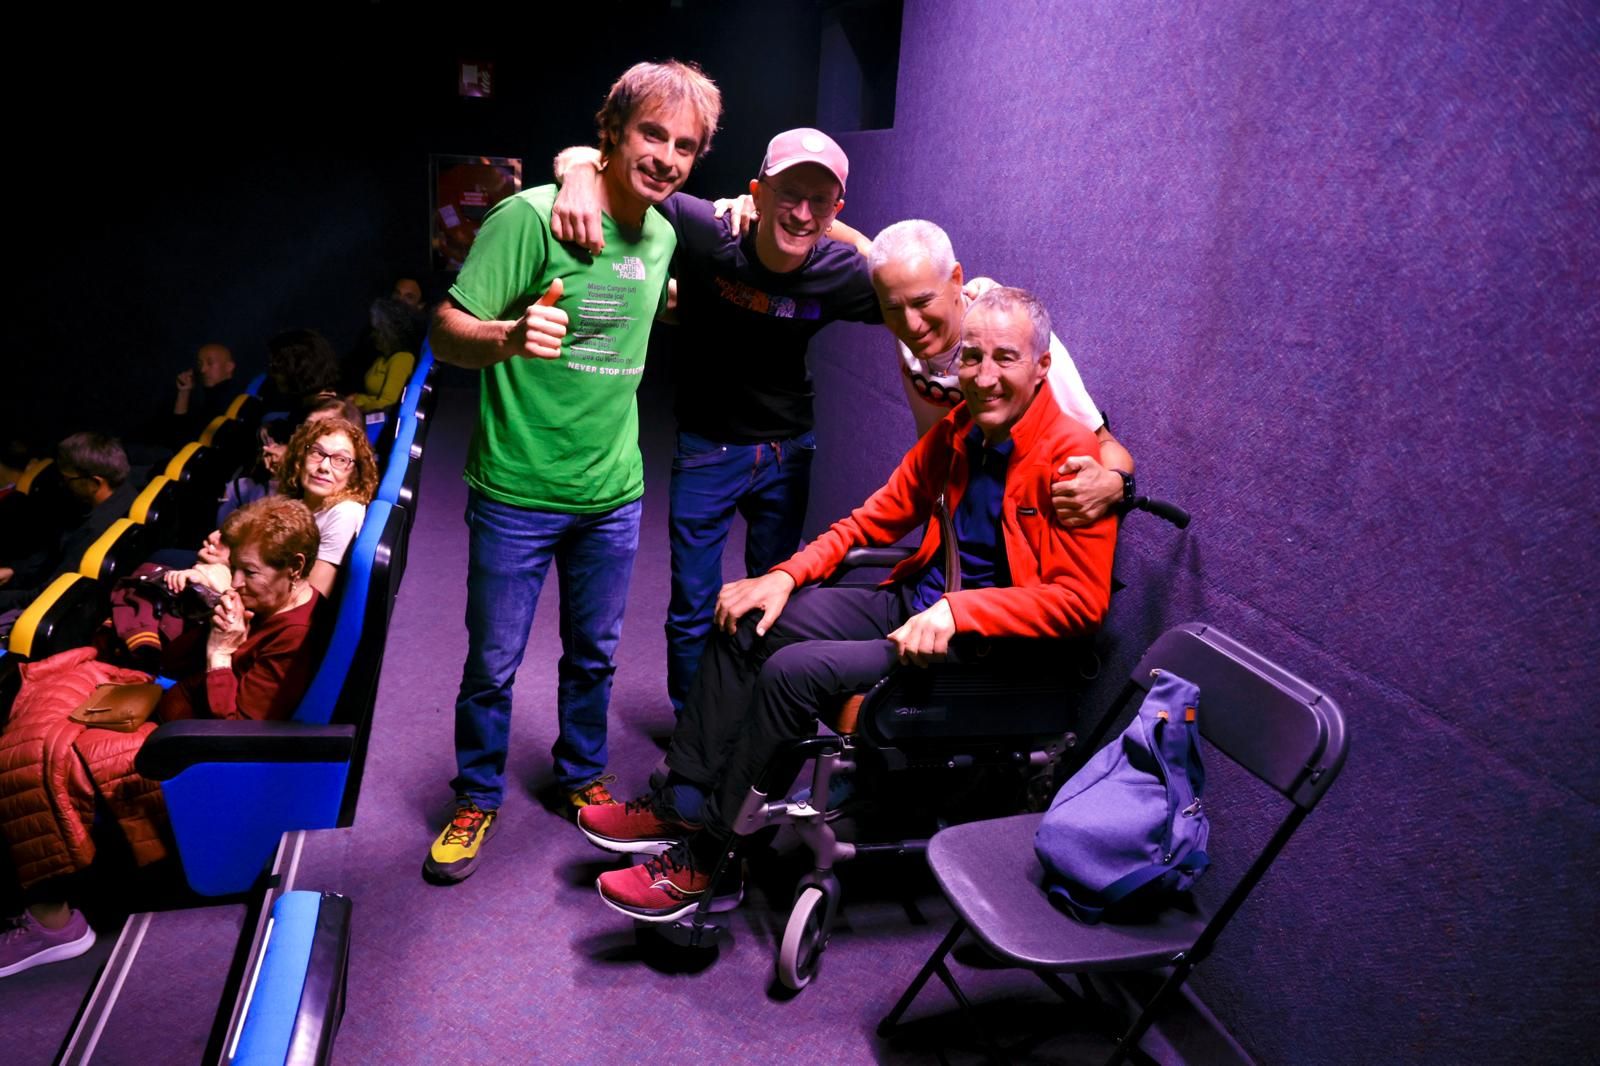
25 482
30 624
208 436
175 468
110 555
141 510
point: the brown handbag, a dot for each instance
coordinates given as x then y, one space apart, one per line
122 708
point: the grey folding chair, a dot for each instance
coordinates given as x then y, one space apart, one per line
1252 711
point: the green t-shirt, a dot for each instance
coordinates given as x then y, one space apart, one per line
563 434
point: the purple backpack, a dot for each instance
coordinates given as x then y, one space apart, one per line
1127 829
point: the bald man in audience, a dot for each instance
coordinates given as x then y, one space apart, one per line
214 368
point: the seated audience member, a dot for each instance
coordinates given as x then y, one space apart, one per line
94 469
329 465
262 479
14 459
407 291
334 407
213 365
781 649
261 652
396 329
301 368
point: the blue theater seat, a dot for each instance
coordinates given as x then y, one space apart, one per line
295 996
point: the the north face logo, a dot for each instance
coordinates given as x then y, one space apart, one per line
631 267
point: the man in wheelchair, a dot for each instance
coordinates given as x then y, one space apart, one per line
993 562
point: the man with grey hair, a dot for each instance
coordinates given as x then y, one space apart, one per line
920 291
783 645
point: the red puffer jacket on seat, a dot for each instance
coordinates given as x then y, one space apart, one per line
52 768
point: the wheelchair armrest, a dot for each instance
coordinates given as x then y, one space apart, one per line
868 559
176 746
881 558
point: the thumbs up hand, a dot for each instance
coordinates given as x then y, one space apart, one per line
541 326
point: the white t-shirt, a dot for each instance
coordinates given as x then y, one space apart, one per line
338 525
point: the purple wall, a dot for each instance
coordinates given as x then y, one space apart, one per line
1332 270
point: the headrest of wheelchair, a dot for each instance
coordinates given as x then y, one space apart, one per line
322 697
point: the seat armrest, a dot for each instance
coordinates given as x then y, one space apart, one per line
875 558
176 746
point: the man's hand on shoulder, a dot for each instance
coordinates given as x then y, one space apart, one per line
575 216
768 593
976 287
925 637
741 212
1089 491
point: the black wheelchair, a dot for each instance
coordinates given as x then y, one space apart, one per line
1000 712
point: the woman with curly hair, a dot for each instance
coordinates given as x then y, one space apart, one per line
330 466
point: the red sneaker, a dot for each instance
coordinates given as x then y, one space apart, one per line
641 826
665 888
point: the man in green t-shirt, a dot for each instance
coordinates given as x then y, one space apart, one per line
554 469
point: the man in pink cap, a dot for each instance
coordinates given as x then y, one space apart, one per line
747 308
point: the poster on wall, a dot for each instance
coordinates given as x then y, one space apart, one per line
463 188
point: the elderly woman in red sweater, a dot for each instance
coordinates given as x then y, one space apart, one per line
260 654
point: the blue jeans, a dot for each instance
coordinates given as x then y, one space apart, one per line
510 552
766 483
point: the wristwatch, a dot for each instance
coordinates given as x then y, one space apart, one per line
1128 492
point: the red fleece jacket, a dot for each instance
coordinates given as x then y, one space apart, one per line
1060 577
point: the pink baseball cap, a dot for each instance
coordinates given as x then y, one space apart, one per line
805 145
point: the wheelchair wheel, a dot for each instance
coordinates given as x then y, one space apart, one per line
804 938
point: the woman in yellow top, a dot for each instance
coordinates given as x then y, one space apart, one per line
395 329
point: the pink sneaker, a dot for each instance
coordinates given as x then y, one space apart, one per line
27 944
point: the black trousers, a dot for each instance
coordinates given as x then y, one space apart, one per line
753 693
